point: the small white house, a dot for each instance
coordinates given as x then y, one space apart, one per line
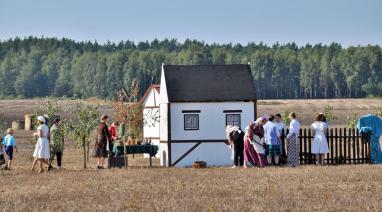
196 103
150 102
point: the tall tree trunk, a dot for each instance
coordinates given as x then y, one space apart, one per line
88 151
84 148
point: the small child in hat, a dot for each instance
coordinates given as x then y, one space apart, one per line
9 142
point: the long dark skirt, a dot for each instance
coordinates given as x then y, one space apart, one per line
100 150
293 151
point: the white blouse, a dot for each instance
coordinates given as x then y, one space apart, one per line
294 128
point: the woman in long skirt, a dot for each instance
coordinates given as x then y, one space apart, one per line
259 141
41 152
293 143
250 155
102 140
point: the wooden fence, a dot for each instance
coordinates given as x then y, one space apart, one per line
346 146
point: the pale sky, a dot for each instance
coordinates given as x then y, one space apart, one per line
349 22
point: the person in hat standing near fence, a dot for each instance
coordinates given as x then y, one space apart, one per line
9 143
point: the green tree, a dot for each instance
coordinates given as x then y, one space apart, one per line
79 128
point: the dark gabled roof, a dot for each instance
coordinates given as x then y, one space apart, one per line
209 83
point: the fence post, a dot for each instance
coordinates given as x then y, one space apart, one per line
358 150
328 138
331 146
344 145
362 147
300 140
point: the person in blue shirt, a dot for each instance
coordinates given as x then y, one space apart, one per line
9 143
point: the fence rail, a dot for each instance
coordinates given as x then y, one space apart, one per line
346 146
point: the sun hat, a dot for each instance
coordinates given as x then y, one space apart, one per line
265 117
41 118
10 130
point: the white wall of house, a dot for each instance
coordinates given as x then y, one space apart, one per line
163 89
212 122
151 118
212 119
163 134
215 154
151 128
152 99
163 152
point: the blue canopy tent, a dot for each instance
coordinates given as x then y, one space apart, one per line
371 125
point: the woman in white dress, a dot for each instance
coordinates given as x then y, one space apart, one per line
320 143
41 152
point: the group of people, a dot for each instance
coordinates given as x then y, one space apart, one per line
106 137
49 145
260 143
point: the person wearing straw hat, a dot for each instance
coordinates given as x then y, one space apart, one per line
9 143
235 137
41 152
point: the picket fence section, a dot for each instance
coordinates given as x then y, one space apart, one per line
346 146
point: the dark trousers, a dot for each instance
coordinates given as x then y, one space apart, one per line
59 158
238 156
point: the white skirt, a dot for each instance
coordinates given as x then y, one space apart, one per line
320 144
41 150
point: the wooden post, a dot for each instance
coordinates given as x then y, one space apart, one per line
351 135
340 147
125 153
328 137
309 150
331 146
305 152
362 148
353 144
336 146
301 140
84 148
344 140
357 148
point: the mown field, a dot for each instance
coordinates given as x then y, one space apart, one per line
305 109
140 188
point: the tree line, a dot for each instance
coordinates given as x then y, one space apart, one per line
39 67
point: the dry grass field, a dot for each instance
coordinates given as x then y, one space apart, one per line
140 188
305 109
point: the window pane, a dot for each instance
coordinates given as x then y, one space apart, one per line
233 119
191 121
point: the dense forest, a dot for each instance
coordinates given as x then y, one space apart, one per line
38 67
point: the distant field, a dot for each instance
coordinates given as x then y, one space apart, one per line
305 109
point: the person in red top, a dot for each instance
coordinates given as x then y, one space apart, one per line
113 129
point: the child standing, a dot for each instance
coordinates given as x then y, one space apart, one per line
9 143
